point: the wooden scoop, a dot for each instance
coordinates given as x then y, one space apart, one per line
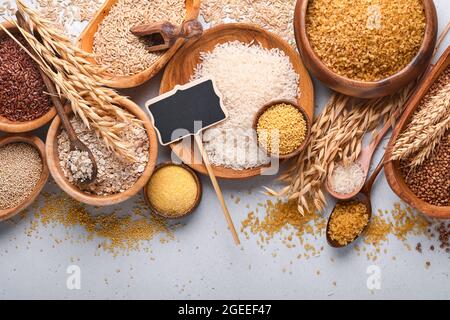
163 35
364 160
75 143
364 197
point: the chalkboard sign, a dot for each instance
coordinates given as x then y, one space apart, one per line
186 110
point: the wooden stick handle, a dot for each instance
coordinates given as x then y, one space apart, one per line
216 186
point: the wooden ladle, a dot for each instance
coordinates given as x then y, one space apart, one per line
364 160
75 143
363 197
163 35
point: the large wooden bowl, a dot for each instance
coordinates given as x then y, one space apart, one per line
9 126
392 168
40 147
363 89
73 191
86 42
181 67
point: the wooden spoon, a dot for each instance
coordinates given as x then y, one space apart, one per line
75 143
364 160
163 35
364 197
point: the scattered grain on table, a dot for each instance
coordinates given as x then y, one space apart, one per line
114 231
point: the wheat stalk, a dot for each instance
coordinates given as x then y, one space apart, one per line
432 115
337 135
79 81
435 135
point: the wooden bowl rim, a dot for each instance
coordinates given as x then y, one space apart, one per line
305 142
39 145
424 53
197 199
394 176
95 200
9 126
131 81
221 171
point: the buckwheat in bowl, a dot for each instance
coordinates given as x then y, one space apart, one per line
118 178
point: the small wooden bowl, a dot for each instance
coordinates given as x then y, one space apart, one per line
86 42
197 200
40 147
392 168
181 68
9 126
308 128
364 89
95 200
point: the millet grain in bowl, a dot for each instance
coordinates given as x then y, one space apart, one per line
117 49
115 175
248 76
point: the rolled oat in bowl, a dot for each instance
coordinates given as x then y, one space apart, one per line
115 174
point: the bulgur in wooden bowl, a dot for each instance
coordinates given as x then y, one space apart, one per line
359 88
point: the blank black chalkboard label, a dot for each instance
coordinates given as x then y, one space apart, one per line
186 110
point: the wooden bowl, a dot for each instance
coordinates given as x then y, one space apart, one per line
95 200
86 42
363 89
40 147
302 146
197 200
181 67
9 126
392 168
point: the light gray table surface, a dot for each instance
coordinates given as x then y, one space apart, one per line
203 263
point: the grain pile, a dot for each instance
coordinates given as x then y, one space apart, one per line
20 171
172 191
248 77
68 13
7 8
117 49
115 174
431 180
272 15
346 179
281 129
347 222
22 90
366 40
